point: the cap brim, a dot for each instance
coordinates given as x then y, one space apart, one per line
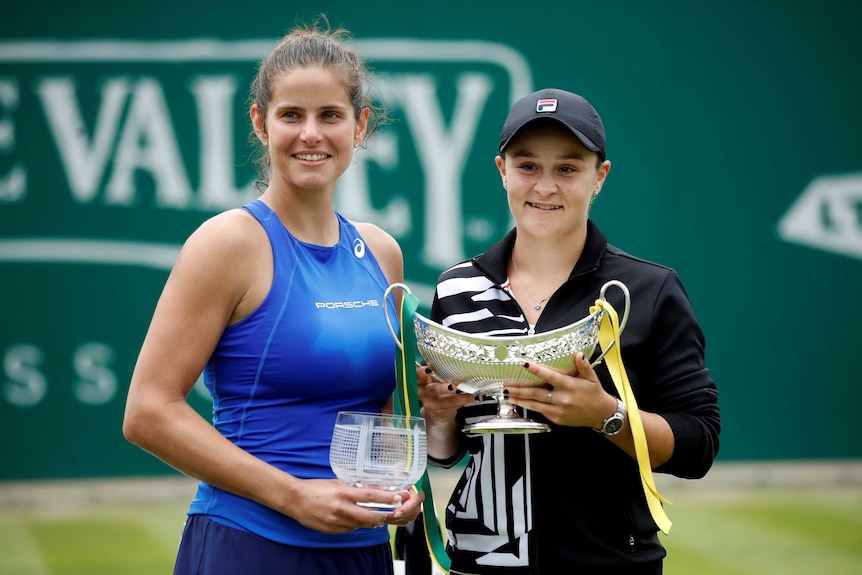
582 138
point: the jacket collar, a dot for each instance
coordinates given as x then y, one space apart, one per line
495 260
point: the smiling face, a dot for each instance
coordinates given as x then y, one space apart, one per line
310 129
551 179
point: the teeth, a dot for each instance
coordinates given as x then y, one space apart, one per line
545 207
311 157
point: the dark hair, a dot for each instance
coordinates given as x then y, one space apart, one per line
311 45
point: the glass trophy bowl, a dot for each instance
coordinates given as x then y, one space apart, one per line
378 451
485 365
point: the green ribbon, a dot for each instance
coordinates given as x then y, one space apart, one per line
407 403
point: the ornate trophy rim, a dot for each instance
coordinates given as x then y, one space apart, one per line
526 339
482 363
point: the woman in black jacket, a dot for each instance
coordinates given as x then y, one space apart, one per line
572 500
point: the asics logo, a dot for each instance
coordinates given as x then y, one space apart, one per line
359 248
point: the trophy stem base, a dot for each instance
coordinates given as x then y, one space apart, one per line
507 420
521 426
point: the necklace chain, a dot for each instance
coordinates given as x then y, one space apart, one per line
537 304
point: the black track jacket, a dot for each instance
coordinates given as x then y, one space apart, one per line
570 501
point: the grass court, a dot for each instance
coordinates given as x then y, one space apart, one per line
740 520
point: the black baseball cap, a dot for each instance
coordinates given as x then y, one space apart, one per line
570 110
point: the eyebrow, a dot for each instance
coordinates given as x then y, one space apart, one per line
569 156
324 107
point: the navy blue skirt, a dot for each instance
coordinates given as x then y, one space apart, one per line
211 548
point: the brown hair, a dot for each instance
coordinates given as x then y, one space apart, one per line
311 45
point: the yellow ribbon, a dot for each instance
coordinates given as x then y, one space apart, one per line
609 338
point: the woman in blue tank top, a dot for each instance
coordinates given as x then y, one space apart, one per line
279 304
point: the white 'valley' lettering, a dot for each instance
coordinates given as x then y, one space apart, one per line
215 96
133 132
443 154
84 160
144 141
14 182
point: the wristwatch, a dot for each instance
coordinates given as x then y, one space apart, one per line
614 423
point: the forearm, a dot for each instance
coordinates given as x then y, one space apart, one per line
443 436
180 437
659 438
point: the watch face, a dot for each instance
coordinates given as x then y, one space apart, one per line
613 425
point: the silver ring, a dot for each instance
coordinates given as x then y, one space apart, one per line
548 400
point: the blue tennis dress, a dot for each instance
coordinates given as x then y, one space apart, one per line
318 344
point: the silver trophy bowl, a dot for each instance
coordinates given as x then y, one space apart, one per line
484 365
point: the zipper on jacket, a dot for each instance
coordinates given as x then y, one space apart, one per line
632 543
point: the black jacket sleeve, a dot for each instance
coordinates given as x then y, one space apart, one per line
681 389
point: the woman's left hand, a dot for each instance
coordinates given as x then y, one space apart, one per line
572 400
411 505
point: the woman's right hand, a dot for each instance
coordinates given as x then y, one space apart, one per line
440 404
440 399
331 506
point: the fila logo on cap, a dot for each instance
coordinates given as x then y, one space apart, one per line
549 105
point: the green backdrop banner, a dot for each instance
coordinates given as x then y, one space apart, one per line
733 130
